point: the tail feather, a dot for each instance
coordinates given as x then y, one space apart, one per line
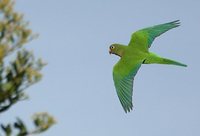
172 62
155 59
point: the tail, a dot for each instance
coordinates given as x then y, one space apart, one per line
155 59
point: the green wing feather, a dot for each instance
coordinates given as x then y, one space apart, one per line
123 76
146 36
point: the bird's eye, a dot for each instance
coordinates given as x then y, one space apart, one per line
112 47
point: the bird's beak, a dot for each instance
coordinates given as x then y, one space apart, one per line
110 52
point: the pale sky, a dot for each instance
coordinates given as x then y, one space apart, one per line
77 87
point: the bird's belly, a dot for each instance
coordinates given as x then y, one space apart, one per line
136 56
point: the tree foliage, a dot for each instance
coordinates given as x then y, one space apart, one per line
18 69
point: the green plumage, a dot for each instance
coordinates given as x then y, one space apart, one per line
133 56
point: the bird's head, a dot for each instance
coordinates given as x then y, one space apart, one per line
116 49
112 49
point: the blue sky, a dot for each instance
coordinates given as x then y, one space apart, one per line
77 87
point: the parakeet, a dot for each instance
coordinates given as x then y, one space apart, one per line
133 56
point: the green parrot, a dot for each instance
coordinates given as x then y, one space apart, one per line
133 56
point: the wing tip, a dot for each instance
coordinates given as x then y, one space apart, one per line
175 23
128 109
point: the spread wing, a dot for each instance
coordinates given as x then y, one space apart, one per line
123 76
143 38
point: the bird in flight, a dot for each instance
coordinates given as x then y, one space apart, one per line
133 56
